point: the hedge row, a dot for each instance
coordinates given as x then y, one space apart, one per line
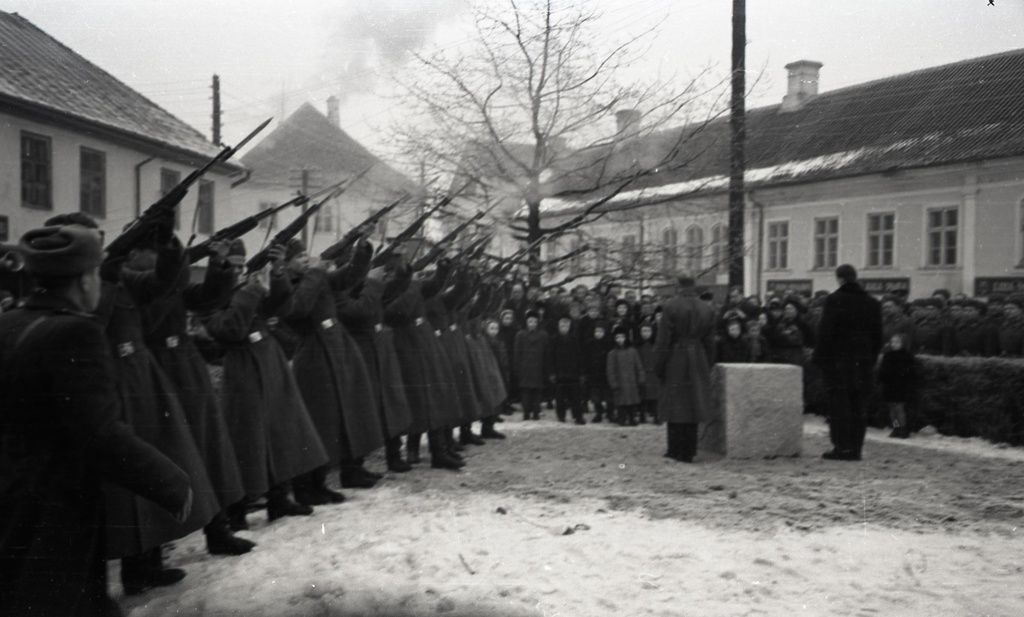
971 397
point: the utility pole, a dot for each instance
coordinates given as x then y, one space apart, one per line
738 134
216 110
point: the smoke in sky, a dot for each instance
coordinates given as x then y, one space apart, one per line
376 37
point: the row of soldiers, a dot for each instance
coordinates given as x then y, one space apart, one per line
379 354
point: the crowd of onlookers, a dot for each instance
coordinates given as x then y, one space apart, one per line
586 346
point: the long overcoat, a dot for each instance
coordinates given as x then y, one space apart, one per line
330 371
849 338
652 387
149 404
362 313
529 358
414 348
60 436
453 356
166 334
683 355
262 404
626 376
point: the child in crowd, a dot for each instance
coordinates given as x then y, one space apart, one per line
896 374
645 348
626 377
529 356
595 355
566 366
733 347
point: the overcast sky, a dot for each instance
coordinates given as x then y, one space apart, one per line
274 55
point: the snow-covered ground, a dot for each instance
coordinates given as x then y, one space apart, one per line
592 521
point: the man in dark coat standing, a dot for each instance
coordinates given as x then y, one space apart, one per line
60 436
684 351
849 340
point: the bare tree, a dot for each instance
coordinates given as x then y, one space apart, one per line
538 106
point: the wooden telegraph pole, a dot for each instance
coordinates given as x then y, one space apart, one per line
738 133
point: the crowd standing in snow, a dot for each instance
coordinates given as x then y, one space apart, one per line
106 378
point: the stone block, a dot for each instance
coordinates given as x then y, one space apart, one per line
758 411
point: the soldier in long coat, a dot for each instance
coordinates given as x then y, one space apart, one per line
684 351
167 336
849 340
330 372
1011 330
262 404
136 528
361 310
428 387
61 435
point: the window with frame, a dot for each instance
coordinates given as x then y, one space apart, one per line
92 181
943 231
694 249
881 239
576 263
204 207
826 243
670 250
720 248
169 178
325 222
778 245
600 255
36 171
269 222
629 253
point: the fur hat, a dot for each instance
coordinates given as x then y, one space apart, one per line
72 218
617 330
1016 299
531 313
64 251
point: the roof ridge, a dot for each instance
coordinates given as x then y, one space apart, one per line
20 21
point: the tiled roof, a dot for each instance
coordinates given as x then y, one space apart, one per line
308 140
966 111
41 75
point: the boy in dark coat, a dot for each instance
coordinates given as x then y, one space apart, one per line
626 377
896 374
528 365
595 355
566 366
645 348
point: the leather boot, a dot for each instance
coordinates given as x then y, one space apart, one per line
146 570
221 541
236 516
279 505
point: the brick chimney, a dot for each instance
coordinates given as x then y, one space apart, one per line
627 121
802 85
332 110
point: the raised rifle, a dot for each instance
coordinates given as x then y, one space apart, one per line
384 255
261 259
339 248
142 226
474 250
441 245
244 226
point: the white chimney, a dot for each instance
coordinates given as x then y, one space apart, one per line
332 110
803 84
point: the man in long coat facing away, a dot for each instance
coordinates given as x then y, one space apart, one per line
684 352
849 340
60 436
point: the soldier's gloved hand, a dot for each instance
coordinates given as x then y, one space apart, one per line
164 226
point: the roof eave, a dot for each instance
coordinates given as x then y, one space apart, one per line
30 110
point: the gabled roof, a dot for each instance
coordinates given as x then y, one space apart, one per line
308 140
967 111
42 79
